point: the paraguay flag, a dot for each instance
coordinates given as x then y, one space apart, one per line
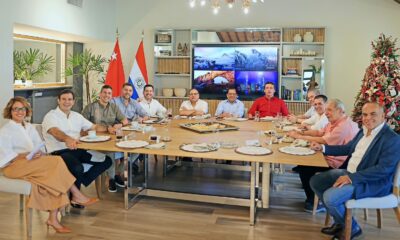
138 76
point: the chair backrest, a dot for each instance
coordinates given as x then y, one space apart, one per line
39 129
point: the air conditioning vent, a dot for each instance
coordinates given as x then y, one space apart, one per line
77 3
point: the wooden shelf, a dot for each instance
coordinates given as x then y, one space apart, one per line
303 43
173 74
172 57
236 43
173 97
291 76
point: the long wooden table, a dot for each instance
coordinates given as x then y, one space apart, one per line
247 131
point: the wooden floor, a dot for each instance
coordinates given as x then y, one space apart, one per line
153 218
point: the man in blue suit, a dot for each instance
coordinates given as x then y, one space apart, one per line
368 171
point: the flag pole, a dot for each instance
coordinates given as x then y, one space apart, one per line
142 34
117 33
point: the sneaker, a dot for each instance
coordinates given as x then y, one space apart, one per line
118 181
308 207
112 186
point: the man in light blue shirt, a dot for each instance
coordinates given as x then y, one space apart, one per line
129 107
231 107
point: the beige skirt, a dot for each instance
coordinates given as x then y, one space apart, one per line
50 179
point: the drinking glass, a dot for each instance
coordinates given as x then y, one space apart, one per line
169 113
119 134
257 116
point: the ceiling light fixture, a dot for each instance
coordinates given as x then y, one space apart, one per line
216 4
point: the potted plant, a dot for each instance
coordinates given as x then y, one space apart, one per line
86 65
314 82
31 64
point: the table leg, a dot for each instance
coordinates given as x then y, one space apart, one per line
127 175
265 184
253 203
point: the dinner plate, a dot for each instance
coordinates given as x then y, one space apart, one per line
150 121
197 147
290 128
267 119
132 144
302 151
252 150
130 128
241 119
96 139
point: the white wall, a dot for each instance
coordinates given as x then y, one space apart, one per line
351 25
95 20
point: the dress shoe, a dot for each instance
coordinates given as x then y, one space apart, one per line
77 206
332 230
354 234
87 203
62 229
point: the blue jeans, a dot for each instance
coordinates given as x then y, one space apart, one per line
334 199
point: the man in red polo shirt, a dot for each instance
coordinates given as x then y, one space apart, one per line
269 105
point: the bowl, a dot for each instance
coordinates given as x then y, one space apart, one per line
167 92
180 92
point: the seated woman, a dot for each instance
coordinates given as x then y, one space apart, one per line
48 175
194 106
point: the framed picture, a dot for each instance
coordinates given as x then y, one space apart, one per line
163 38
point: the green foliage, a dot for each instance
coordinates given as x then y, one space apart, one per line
31 64
86 65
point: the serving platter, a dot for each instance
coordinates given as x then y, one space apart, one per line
207 127
198 147
253 150
132 144
301 151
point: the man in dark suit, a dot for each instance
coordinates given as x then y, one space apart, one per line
368 171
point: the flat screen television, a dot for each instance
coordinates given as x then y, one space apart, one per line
245 67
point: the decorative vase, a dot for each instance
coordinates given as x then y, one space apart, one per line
308 37
179 49
167 92
180 92
297 38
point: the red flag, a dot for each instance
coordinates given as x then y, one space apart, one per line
115 75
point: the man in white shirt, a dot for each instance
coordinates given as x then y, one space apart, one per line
319 119
62 129
311 111
194 106
150 105
373 156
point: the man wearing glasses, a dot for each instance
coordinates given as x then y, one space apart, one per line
194 106
231 107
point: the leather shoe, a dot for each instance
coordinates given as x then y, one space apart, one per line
332 230
340 235
77 206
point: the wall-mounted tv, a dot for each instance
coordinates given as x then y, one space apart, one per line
244 67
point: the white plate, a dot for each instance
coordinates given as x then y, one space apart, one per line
241 119
197 147
251 150
300 143
290 128
132 144
267 119
149 121
96 139
297 150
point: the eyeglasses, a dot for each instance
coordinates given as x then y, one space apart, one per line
19 109
192 94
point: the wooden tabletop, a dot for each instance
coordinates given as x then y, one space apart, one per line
247 131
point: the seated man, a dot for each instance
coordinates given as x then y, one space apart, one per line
269 105
231 107
339 131
372 158
61 131
194 106
128 106
318 120
311 111
106 114
152 107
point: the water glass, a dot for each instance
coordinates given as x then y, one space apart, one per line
257 116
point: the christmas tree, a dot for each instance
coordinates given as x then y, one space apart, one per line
381 82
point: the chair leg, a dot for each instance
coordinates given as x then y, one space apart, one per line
397 212
98 187
28 219
155 158
327 219
21 202
316 200
348 223
379 217
366 214
103 182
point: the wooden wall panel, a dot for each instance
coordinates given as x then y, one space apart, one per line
174 103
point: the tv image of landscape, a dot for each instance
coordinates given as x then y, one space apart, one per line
243 67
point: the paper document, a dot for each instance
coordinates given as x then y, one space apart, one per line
35 150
